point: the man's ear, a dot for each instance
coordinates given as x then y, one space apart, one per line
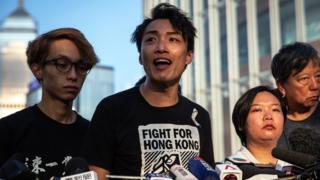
36 70
140 60
281 88
189 57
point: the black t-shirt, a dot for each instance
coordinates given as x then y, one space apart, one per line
312 122
46 144
127 136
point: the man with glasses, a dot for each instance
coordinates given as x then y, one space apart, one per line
296 69
49 133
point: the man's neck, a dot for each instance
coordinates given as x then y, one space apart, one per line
159 96
58 111
300 113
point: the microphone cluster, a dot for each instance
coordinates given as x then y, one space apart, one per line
198 170
78 168
15 169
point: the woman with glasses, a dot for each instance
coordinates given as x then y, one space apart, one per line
296 69
48 134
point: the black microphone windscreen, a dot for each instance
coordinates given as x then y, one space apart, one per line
14 168
305 140
296 158
76 165
17 156
250 170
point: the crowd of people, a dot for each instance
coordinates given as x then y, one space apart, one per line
151 127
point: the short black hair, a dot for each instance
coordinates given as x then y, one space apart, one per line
292 58
242 108
177 18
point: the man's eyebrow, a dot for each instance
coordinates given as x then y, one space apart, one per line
174 33
169 33
151 32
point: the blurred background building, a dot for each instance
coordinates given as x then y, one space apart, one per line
236 40
18 87
15 32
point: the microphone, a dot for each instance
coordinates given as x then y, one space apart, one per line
110 176
15 169
77 168
149 176
309 163
156 176
90 175
262 172
202 170
301 160
229 171
305 140
181 173
76 165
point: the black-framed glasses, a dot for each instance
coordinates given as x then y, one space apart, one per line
64 64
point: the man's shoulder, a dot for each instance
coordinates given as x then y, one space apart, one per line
316 114
187 102
82 122
81 118
18 121
17 116
123 96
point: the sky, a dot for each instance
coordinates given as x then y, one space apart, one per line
107 24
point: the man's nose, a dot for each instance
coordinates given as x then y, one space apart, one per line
314 83
72 73
161 46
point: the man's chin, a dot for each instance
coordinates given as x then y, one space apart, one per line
167 81
69 98
311 104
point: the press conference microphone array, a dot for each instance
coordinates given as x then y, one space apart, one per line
228 171
177 172
15 169
202 170
77 168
